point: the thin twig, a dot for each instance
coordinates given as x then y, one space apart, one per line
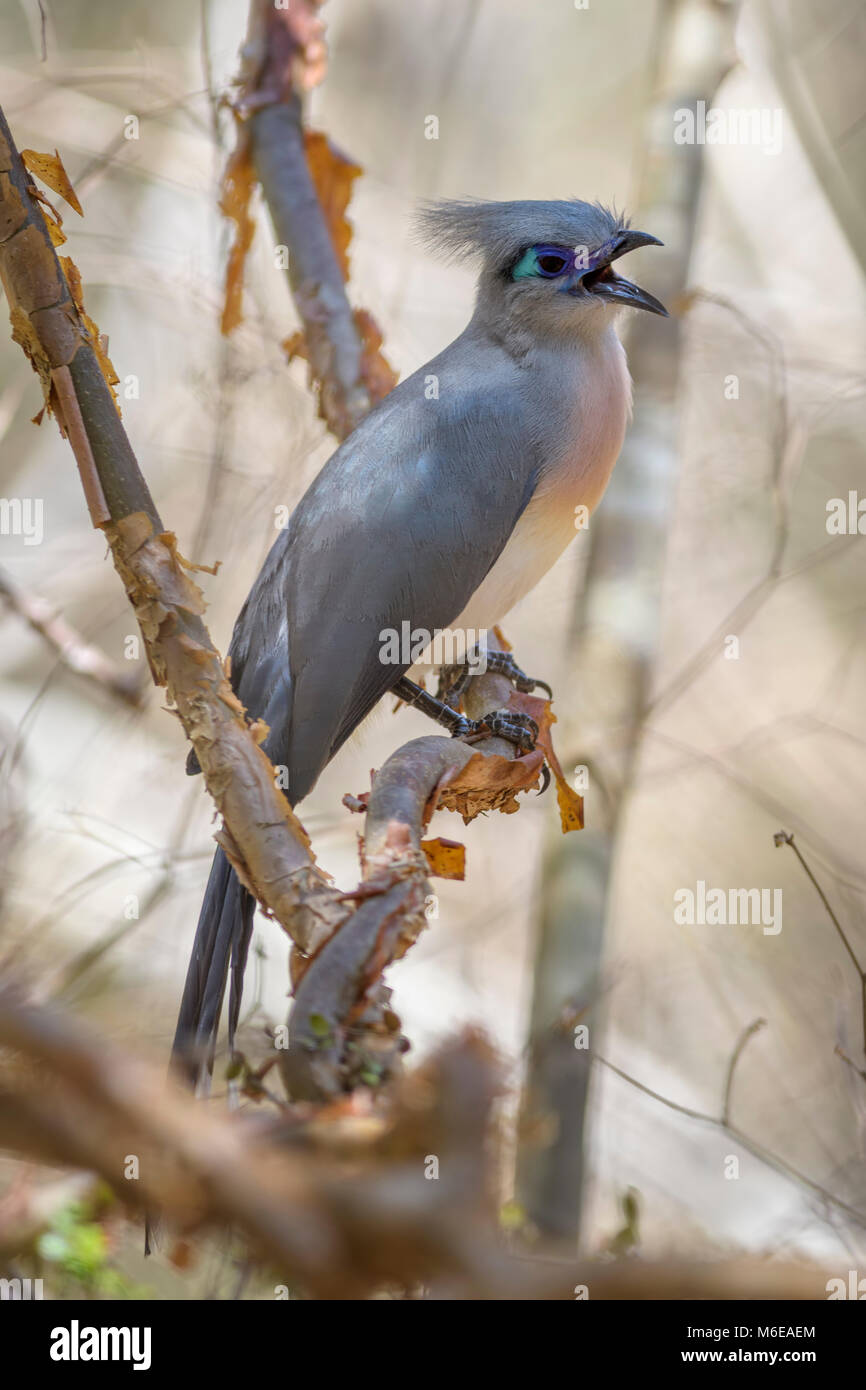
758 1150
43 20
744 1038
782 837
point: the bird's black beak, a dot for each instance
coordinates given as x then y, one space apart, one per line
601 280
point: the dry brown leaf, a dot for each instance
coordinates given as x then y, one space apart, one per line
97 340
447 858
197 569
55 231
25 335
49 168
182 1255
377 373
569 801
333 175
239 180
488 782
53 220
295 346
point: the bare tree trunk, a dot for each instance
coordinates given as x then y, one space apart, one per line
613 641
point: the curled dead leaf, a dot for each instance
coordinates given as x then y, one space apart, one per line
446 858
488 782
569 801
193 567
49 168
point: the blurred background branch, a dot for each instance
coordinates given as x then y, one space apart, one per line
613 639
74 651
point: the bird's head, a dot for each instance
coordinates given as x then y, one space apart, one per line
547 267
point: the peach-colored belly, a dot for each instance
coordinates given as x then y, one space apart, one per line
578 479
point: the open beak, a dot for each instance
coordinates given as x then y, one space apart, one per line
601 280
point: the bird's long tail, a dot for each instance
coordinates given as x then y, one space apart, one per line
222 940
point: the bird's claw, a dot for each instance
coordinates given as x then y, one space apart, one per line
503 664
519 729
453 680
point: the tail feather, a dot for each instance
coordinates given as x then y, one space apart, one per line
222 940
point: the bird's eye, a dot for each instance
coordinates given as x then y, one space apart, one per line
551 263
547 261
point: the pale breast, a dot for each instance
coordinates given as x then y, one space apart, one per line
577 477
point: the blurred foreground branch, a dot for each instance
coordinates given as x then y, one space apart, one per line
336 1200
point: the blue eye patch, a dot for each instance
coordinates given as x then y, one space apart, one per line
546 261
549 261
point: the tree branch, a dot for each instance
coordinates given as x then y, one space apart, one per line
341 1207
73 650
262 836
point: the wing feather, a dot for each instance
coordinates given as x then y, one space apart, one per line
402 524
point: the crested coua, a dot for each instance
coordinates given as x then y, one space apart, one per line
441 510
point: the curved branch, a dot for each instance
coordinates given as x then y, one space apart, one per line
265 841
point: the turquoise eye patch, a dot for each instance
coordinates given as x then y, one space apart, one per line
545 261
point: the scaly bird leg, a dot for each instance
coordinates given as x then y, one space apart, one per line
503 664
453 680
519 729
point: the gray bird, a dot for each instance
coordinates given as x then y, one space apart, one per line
442 510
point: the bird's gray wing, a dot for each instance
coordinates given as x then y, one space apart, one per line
402 524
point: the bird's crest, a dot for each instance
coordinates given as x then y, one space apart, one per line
497 233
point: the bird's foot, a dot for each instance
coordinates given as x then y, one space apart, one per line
453 680
519 729
503 664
